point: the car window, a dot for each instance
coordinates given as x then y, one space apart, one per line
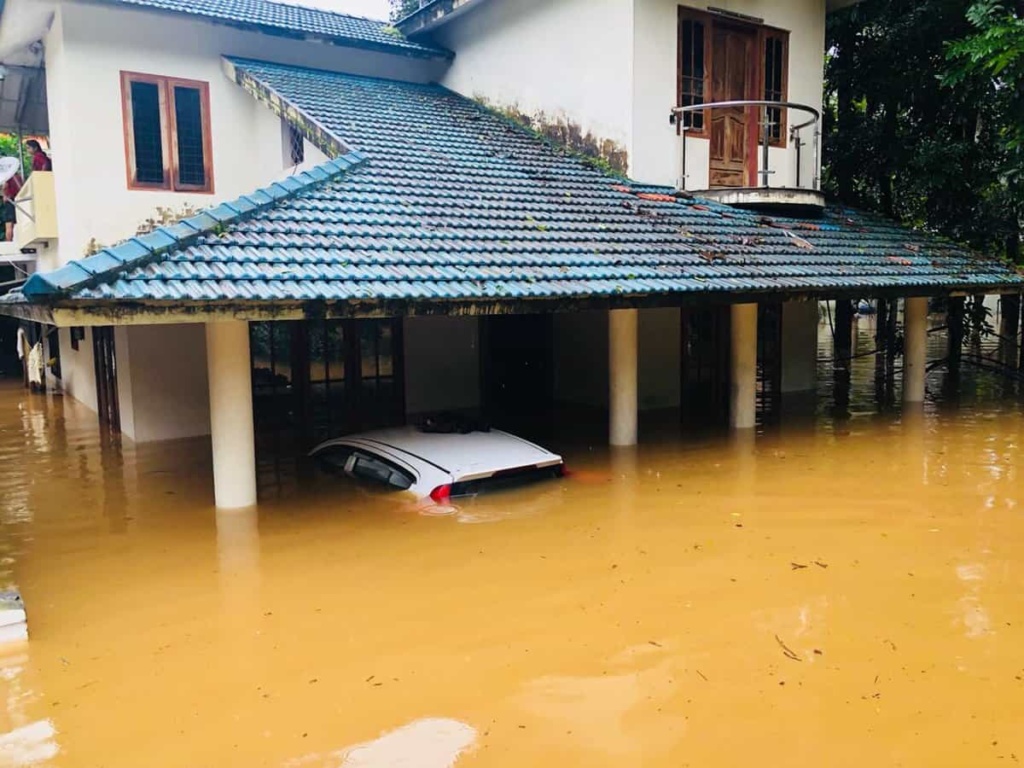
334 458
378 470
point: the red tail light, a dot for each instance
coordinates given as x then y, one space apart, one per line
441 494
563 471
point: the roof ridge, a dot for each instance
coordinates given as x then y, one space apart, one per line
141 250
307 21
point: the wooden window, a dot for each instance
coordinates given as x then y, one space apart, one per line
694 68
776 76
167 133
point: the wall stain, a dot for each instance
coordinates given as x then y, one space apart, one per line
600 153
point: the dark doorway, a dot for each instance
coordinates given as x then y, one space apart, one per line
705 367
324 378
769 362
733 56
105 362
518 370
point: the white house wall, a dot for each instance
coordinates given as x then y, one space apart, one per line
169 390
655 152
89 45
78 372
565 64
442 364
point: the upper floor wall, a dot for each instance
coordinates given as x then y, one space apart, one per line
604 75
93 54
565 66
735 62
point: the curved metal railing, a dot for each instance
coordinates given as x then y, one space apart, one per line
766 123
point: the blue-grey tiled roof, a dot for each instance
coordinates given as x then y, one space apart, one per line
283 18
454 203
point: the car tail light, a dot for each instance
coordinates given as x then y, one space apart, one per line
563 471
441 494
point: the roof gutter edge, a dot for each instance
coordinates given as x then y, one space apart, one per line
434 14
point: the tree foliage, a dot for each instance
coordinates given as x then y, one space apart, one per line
922 115
10 147
402 8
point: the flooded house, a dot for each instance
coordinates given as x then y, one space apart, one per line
275 223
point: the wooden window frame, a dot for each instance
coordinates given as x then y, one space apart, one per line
694 15
773 33
168 132
764 33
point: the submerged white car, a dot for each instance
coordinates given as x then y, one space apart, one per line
438 465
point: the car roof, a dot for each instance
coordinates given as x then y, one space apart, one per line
464 456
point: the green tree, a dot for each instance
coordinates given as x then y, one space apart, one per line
917 114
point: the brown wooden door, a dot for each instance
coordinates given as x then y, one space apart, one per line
732 52
105 363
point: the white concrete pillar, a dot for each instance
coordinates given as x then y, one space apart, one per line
622 376
231 418
743 405
915 348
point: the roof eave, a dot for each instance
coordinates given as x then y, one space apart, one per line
435 54
433 15
65 312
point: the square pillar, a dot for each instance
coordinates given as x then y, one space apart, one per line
622 376
743 390
915 348
231 418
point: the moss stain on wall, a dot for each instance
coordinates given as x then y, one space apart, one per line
604 154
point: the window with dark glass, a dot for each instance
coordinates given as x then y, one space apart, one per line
188 120
167 133
776 56
147 132
692 68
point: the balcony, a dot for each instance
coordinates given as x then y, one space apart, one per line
760 155
36 205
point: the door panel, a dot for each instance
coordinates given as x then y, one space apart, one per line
731 129
105 362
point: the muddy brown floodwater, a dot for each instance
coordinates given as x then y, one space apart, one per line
837 593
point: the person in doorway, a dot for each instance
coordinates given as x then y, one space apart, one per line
40 160
7 213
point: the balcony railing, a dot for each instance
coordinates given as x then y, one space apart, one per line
36 206
769 115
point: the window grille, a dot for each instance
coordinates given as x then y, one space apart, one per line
775 56
692 70
188 117
167 130
148 133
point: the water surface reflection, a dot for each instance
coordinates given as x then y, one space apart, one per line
836 592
